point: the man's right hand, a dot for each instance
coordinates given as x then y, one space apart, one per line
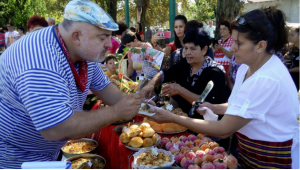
128 106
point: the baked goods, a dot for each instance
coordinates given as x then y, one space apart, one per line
149 159
125 137
147 142
136 142
139 136
135 131
147 133
83 163
168 127
145 126
79 147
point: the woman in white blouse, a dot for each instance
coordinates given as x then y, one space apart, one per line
263 106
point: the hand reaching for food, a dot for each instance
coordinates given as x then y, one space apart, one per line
129 106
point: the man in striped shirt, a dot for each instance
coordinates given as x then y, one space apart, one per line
44 80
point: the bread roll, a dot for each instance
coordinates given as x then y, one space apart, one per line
133 127
124 137
144 126
136 142
141 134
147 121
147 142
168 127
154 138
156 127
148 133
179 128
135 132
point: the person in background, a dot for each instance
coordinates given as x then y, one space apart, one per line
136 34
36 23
292 57
122 28
51 21
5 29
134 59
21 31
110 61
115 46
263 108
2 40
176 56
179 24
139 31
221 50
210 29
11 35
148 34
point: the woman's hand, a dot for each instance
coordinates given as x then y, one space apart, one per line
171 89
205 104
148 89
218 47
161 116
156 37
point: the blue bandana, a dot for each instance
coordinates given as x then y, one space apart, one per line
88 11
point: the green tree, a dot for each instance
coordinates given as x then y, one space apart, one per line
228 10
201 10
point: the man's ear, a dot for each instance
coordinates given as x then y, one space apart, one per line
75 37
261 46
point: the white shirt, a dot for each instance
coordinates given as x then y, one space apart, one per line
211 30
268 97
13 35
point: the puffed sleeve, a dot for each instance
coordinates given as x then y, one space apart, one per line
254 99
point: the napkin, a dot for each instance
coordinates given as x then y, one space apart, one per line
47 165
146 113
209 115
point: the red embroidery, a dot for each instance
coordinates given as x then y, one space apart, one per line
81 78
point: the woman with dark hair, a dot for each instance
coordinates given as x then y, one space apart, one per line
139 31
36 22
179 25
221 49
192 74
262 108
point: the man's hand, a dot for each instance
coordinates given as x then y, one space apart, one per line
128 106
205 104
148 89
171 89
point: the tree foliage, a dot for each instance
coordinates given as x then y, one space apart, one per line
201 10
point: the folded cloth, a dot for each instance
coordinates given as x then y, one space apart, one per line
47 165
209 115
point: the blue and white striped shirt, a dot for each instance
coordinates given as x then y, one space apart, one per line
38 91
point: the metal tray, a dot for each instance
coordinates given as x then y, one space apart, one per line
68 155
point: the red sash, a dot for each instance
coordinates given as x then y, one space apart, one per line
81 78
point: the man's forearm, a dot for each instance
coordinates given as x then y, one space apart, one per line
81 124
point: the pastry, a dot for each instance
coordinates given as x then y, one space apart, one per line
144 126
133 127
136 142
148 133
135 131
154 138
147 142
125 137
